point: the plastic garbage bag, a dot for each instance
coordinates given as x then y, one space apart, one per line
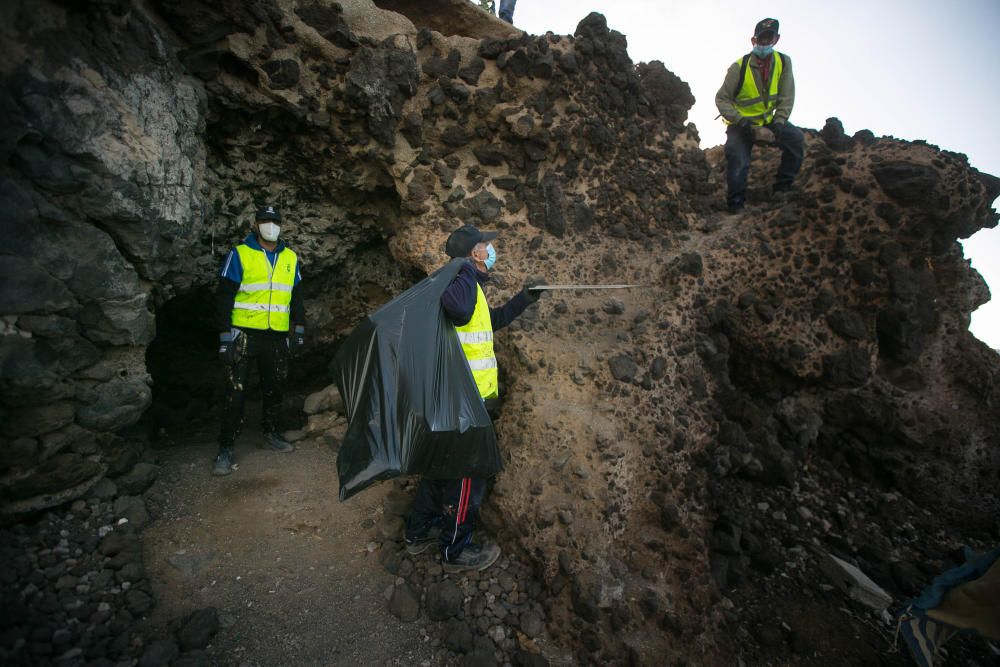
412 404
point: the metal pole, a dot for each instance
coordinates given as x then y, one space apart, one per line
549 287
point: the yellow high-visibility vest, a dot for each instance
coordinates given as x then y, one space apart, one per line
749 101
265 296
476 337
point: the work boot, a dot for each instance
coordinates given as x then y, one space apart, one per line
418 545
223 462
473 558
276 443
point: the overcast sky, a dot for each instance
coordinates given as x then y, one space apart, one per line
915 69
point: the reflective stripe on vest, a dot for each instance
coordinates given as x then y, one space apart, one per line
265 295
476 337
749 101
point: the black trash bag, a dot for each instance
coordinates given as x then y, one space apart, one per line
413 407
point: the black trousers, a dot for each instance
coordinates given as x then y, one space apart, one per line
269 352
451 504
739 144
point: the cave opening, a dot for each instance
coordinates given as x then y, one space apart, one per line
188 375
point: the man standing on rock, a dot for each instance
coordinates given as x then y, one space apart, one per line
506 11
755 101
258 304
444 510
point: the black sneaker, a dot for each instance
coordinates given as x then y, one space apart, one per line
473 558
734 207
421 544
276 443
223 462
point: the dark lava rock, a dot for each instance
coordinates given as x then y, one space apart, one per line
847 323
865 137
114 542
192 659
478 659
623 368
160 653
725 538
404 603
517 62
658 369
770 636
443 600
140 478
906 182
379 82
328 21
282 74
138 602
833 135
670 517
470 73
105 489
524 658
847 368
198 629
613 307
455 136
585 597
669 96
488 156
690 263
458 636
532 624
490 48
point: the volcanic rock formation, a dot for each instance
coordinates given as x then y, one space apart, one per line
828 332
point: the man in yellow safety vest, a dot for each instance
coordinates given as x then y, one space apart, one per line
444 510
755 101
260 316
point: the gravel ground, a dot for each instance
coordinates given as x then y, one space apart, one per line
294 572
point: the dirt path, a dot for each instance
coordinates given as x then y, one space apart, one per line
285 562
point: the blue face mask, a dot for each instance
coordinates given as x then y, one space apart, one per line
763 51
491 257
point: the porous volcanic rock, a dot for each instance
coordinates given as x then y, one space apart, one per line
826 330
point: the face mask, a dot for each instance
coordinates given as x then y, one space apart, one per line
763 51
491 257
269 231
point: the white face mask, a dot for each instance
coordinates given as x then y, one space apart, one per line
269 231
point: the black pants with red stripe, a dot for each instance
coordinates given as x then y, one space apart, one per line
451 504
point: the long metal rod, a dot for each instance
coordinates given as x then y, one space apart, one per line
548 287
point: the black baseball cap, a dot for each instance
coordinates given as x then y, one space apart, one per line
461 241
268 213
766 25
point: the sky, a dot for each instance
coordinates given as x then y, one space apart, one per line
915 69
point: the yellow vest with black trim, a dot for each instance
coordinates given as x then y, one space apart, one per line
751 103
265 295
476 337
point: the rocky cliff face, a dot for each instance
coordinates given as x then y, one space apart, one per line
823 336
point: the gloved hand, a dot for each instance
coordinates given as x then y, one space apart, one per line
532 295
297 340
229 343
763 135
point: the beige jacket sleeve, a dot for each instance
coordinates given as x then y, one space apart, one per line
786 91
725 100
